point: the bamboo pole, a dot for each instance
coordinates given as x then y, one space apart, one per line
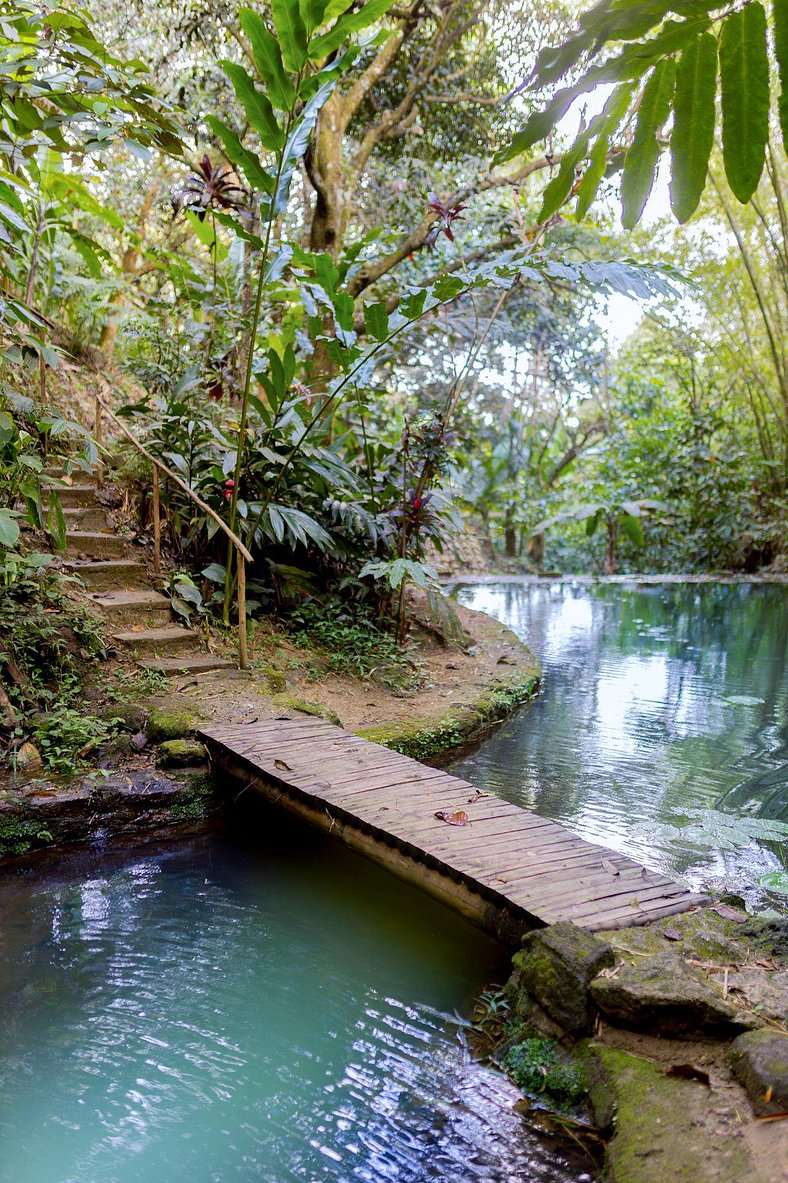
243 657
97 433
156 523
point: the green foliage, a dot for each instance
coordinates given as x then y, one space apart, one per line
67 737
616 42
349 641
543 1071
19 835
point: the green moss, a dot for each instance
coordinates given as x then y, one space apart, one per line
198 799
130 716
274 680
419 740
180 753
542 1070
165 724
293 703
703 935
18 835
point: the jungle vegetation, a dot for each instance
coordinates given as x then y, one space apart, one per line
345 267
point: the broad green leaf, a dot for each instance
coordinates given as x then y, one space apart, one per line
633 529
290 33
335 8
780 22
629 65
258 109
57 521
241 157
268 60
298 140
312 14
352 22
603 128
9 528
693 124
744 82
376 319
641 158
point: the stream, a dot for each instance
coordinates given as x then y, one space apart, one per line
662 727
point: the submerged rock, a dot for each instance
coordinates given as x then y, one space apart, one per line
759 1060
665 996
556 966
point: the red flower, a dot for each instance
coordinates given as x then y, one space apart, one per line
229 485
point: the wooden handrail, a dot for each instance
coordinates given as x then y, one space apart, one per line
243 554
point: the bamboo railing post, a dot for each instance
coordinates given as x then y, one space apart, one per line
243 657
156 523
97 430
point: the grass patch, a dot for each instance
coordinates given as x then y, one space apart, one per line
349 641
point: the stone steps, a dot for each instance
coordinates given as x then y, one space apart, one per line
94 544
74 496
87 517
199 663
157 642
135 606
110 574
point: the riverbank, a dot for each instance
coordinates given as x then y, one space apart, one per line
150 778
671 1038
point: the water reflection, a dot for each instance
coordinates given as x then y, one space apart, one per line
663 717
214 1013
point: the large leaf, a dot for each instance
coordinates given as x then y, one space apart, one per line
298 140
693 124
780 18
258 109
346 26
744 80
268 60
290 33
9 528
641 159
241 157
312 12
629 65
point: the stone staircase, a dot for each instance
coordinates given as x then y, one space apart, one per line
118 583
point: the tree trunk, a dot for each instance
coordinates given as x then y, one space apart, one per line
611 550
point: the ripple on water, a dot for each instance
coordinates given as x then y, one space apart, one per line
290 1015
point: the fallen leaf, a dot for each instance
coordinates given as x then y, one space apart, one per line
610 867
459 818
766 964
644 875
477 796
688 1072
671 934
767 1096
138 742
281 765
731 913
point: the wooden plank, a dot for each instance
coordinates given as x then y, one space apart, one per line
507 867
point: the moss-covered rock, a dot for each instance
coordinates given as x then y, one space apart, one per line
180 753
663 995
130 716
664 1128
555 967
292 702
759 1060
703 935
273 680
166 723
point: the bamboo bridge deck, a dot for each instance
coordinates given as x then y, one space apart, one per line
501 866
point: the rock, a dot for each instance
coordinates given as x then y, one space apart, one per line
665 996
165 724
763 991
129 715
556 966
28 758
664 1129
274 680
759 1060
180 753
294 703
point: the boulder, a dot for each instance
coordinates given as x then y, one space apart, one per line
180 753
759 1060
165 723
556 966
665 996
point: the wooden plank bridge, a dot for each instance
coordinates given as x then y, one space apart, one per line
504 868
